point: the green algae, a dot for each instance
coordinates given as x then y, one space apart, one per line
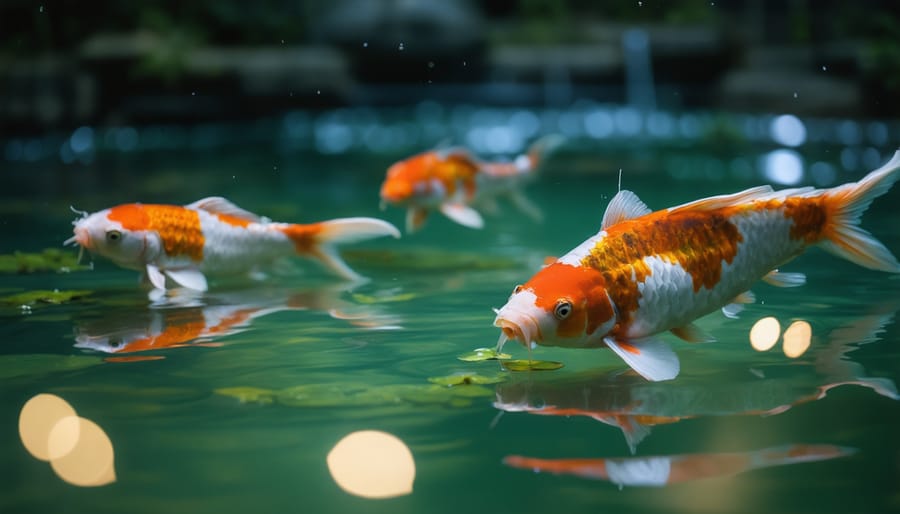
48 260
56 297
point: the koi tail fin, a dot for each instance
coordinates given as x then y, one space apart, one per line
541 148
846 204
318 240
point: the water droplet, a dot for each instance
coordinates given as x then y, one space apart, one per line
824 68
282 41
431 64
465 63
193 93
365 44
400 47
41 9
795 94
640 4
318 91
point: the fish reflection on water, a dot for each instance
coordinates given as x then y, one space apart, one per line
190 318
659 471
636 406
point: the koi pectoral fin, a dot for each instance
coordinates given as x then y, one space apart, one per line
652 358
782 279
156 277
462 214
415 218
188 277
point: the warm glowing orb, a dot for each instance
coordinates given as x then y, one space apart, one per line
90 461
797 339
764 334
372 464
38 416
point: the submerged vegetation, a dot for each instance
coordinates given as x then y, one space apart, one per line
49 260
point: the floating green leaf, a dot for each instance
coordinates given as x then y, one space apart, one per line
249 394
49 260
41 296
483 354
464 379
530 365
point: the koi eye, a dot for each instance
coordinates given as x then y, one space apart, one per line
563 309
517 289
113 236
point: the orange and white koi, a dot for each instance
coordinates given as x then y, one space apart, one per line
213 236
649 272
452 181
659 471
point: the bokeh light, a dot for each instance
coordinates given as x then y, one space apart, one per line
38 417
783 167
79 450
788 130
90 461
797 339
372 464
764 334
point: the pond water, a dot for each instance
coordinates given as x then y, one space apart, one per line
231 401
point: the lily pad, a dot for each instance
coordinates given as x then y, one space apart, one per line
530 365
483 354
48 260
41 296
464 379
249 394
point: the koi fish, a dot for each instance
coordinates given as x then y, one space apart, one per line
452 180
648 272
636 407
660 471
213 236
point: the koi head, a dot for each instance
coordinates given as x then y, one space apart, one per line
103 236
411 180
562 305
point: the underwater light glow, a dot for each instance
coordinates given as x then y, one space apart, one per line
797 339
372 464
79 450
783 167
788 130
38 417
764 334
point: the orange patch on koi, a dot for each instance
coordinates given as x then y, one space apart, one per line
698 241
178 228
582 286
303 236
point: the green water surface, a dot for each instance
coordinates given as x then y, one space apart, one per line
242 420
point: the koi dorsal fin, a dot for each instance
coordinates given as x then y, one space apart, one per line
624 206
717 202
219 205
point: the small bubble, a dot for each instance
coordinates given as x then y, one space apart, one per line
318 91
640 4
400 47
795 94
193 93
465 63
824 68
41 9
431 64
365 44
282 41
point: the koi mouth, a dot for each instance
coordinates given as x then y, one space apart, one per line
523 329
